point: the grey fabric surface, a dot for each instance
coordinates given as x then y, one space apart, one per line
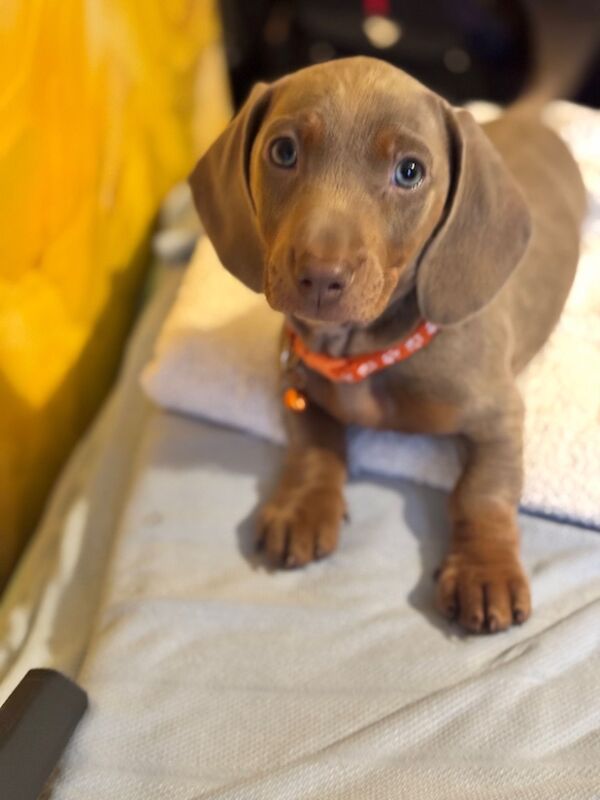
211 677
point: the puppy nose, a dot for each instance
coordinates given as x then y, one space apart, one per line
322 283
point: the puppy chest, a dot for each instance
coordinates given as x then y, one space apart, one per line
383 405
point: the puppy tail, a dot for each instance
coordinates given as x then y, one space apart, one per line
566 37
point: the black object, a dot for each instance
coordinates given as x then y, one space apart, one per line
464 49
36 722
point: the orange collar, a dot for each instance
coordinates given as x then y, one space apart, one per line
356 368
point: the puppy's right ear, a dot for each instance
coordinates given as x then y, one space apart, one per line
220 185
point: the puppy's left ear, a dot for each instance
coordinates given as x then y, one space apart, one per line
220 185
483 235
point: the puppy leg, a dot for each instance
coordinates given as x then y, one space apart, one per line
302 519
482 582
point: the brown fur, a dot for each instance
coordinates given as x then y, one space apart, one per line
486 247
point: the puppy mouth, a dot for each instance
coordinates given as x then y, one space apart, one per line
342 312
358 304
323 312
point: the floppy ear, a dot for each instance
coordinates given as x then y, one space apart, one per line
483 235
221 189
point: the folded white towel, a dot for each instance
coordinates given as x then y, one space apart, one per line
216 358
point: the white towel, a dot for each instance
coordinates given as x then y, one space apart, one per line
216 358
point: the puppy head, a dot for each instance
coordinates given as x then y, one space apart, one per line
345 185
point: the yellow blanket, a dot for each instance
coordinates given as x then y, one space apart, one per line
104 105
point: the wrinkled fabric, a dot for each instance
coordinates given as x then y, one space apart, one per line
211 677
100 102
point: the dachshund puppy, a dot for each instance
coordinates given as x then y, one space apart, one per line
420 261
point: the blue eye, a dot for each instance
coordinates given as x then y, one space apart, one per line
283 153
408 173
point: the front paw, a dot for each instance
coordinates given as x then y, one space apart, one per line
299 525
483 595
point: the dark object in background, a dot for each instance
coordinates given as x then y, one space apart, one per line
464 49
36 722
